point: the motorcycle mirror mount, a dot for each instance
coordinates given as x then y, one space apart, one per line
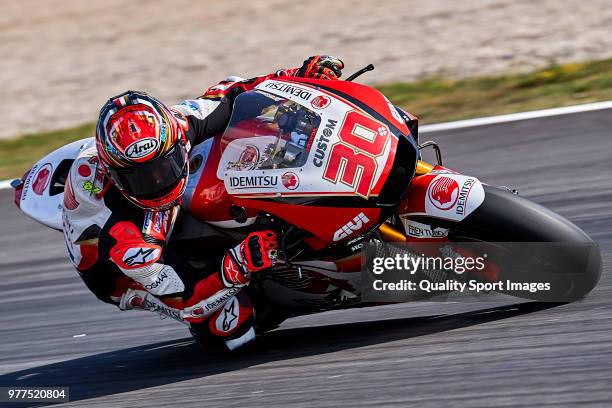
363 70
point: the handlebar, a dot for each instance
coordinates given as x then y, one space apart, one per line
363 70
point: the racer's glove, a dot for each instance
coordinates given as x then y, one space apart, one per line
321 67
256 252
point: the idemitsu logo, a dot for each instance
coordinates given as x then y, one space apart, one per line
290 180
443 193
320 102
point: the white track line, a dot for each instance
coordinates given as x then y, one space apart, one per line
488 120
513 117
5 184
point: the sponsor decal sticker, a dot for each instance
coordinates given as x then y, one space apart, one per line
464 193
290 89
42 178
320 102
157 222
290 180
158 306
84 170
321 144
247 161
26 183
243 182
140 256
354 161
158 281
351 227
419 230
451 195
141 148
232 275
443 193
89 186
396 115
213 303
228 320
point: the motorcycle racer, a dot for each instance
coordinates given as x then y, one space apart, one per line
122 197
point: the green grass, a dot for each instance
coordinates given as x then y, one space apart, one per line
18 155
439 99
431 99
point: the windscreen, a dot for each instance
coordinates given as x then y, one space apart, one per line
268 132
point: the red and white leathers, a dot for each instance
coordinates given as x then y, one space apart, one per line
120 249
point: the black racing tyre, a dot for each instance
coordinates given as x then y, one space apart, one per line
269 319
505 218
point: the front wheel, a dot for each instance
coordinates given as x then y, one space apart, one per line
504 219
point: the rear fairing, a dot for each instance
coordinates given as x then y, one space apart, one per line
42 191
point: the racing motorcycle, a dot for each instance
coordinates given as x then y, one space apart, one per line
330 166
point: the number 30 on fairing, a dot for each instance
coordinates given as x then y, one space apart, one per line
353 159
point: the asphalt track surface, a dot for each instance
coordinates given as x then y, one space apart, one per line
504 353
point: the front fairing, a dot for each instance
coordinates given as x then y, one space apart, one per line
328 168
290 140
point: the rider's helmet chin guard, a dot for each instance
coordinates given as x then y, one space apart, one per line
142 147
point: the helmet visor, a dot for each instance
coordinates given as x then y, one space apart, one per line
155 178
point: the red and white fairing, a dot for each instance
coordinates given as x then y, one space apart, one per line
37 196
355 151
442 194
346 152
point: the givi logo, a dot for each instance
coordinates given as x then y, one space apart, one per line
351 227
443 193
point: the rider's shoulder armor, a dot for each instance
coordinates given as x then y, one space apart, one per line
84 211
198 108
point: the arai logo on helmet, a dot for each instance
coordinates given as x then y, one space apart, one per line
320 102
141 148
443 193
